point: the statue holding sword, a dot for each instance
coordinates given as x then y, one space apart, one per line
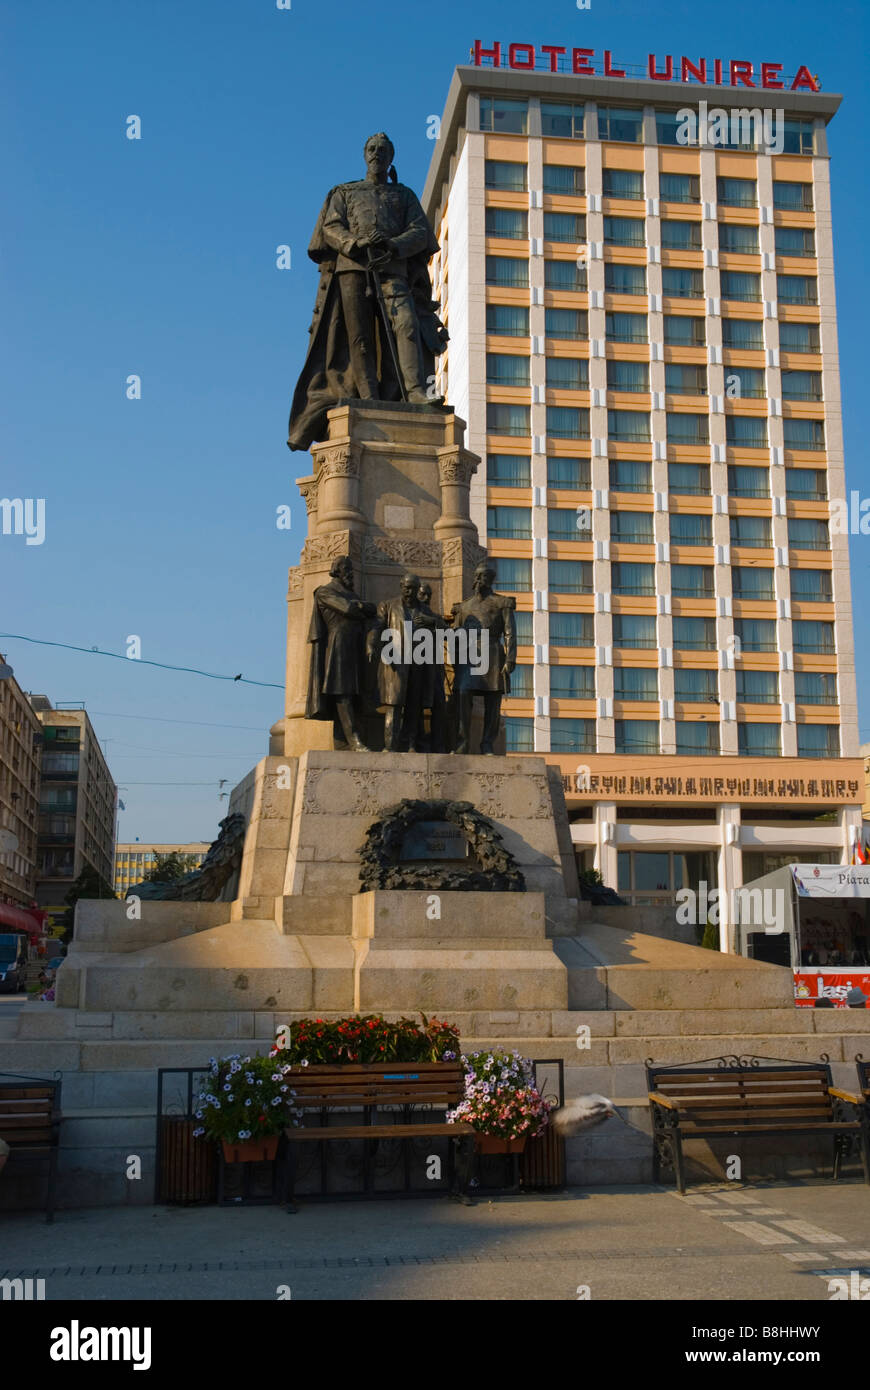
375 331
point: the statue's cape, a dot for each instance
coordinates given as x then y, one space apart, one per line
327 376
317 705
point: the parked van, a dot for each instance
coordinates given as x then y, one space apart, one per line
13 962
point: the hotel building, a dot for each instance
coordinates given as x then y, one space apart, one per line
134 860
643 343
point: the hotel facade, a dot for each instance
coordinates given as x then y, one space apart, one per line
643 343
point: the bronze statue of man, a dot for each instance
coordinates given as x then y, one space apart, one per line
390 643
432 697
492 616
375 331
336 676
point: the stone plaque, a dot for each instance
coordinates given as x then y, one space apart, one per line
433 839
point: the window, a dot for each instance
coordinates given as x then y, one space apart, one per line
624 231
734 236
567 374
694 634
801 386
627 376
632 579
758 687
626 328
574 473
807 484
563 121
797 289
697 737
805 533
572 735
756 634
512 575
509 523
669 127
689 529
688 429
746 431
681 235
509 320
797 137
633 528
682 284
758 740
572 630
685 380
572 682
749 581
624 279
679 188
792 197
567 422
509 470
505 176
507 369
747 335
507 222
751 531
634 630
622 183
564 226
812 636
519 735
692 581
736 193
696 686
818 740
569 576
568 524
803 434
744 481
815 687
564 275
745 381
507 419
689 479
794 241
523 622
564 179
811 586
628 426
522 683
635 683
566 323
740 284
501 115
620 123
636 735
630 475
799 337
507 271
684 330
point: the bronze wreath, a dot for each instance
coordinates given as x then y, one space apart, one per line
380 866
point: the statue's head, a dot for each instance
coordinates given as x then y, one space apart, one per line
484 578
342 570
424 591
409 587
379 152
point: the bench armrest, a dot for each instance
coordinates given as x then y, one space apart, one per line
663 1100
844 1095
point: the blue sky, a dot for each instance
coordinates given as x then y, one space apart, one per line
158 257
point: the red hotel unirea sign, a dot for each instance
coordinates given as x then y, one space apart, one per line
737 72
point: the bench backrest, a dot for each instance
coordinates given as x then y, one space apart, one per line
748 1095
437 1084
863 1076
27 1113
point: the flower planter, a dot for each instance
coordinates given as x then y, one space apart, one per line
494 1144
250 1150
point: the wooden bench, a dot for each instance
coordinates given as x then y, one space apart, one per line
30 1124
353 1094
727 1097
864 1083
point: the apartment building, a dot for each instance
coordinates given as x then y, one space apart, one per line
20 738
134 860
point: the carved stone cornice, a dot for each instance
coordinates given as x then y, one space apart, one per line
459 550
308 489
456 466
329 547
391 550
336 461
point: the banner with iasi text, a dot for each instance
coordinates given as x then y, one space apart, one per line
810 985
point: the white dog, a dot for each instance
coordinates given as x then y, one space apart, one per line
583 1113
